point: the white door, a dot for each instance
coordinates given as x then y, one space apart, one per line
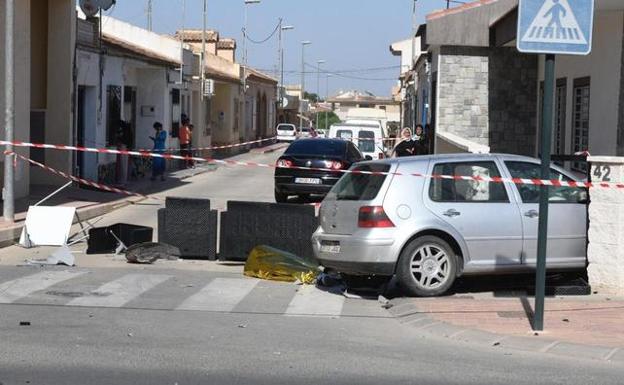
484 213
567 218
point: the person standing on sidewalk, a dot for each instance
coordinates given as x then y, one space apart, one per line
123 143
186 142
421 145
405 144
158 164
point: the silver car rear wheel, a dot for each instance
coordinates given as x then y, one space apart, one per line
427 267
430 266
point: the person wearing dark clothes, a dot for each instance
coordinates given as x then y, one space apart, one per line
421 145
405 146
160 140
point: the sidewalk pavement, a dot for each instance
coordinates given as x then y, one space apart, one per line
92 203
271 148
580 326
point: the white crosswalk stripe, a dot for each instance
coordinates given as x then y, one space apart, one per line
16 289
311 301
222 294
152 291
120 291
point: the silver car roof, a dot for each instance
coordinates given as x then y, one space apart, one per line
468 157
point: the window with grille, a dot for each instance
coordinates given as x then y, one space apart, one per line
580 121
560 118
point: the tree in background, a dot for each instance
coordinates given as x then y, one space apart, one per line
332 118
313 98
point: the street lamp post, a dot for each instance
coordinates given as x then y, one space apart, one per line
247 2
281 59
303 45
318 86
245 129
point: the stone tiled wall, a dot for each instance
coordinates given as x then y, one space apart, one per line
488 96
606 228
512 101
463 93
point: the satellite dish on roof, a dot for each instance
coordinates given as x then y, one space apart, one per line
92 7
106 4
89 7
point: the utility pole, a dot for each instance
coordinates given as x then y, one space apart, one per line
326 98
203 62
301 96
318 87
413 63
149 15
9 112
182 45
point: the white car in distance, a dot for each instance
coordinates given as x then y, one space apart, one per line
287 132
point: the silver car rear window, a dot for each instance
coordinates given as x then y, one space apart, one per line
360 187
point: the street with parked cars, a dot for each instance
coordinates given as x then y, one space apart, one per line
285 192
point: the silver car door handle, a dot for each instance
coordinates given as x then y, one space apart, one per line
532 214
451 213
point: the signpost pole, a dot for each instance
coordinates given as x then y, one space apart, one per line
542 239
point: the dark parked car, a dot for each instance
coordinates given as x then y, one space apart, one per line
327 154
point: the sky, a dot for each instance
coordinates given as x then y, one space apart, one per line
352 36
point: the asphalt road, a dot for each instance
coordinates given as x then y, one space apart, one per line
164 324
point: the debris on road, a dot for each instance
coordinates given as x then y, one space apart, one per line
150 252
24 323
62 256
329 280
268 263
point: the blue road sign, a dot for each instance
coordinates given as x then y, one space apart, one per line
555 26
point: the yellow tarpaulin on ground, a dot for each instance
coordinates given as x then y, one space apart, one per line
266 262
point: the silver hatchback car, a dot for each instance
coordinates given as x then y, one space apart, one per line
429 231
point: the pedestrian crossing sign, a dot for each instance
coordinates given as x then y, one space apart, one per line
555 26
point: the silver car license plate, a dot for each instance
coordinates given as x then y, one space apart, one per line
308 180
331 248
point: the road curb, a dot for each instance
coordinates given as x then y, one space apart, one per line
269 149
409 315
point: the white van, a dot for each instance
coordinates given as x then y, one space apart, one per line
367 115
367 137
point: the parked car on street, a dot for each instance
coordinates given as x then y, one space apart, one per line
367 137
429 231
330 155
307 132
287 132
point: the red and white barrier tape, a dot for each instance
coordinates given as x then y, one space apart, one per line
520 181
216 147
82 181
